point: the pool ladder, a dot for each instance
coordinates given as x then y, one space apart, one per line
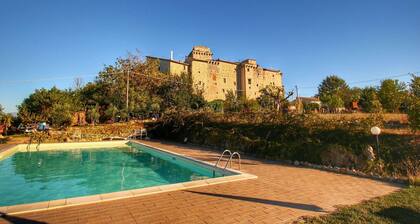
229 161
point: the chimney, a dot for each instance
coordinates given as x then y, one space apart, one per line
172 55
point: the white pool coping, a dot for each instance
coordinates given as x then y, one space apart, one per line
60 203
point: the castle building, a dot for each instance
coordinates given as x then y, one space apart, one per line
215 77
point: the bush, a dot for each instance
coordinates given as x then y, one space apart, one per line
285 137
61 115
338 155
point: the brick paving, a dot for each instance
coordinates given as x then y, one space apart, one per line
281 194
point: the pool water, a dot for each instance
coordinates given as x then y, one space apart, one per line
28 177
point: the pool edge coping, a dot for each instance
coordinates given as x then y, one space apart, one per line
138 192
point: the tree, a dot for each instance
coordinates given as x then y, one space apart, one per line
414 104
273 97
232 102
369 101
150 91
1 110
352 95
93 114
391 94
78 83
415 86
54 106
216 105
61 115
332 91
334 102
6 120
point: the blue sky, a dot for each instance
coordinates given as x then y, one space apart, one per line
46 43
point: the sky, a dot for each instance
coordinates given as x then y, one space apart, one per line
49 43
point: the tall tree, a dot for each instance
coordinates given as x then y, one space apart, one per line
414 104
1 111
332 91
273 97
232 102
369 100
391 93
352 95
6 120
54 106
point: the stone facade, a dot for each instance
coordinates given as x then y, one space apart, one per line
216 77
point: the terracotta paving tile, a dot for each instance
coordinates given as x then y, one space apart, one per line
280 194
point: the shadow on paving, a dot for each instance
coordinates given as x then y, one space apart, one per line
17 220
307 207
400 215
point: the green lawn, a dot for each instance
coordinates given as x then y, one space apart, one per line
402 207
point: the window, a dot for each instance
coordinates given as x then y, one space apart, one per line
249 81
257 85
199 82
247 69
234 83
223 90
224 80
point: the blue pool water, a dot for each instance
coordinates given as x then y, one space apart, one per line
28 177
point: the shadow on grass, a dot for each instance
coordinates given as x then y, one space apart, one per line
17 220
400 215
307 207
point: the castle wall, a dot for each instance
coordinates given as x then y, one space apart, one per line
216 77
177 68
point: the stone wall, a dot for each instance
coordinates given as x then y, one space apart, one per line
216 77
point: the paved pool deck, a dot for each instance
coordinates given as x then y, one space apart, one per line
280 194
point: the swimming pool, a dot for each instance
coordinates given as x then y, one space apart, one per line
57 172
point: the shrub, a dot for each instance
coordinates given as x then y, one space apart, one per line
338 155
286 137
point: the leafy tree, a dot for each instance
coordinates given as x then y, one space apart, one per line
93 114
352 95
233 102
415 86
1 110
332 91
216 105
150 91
369 100
178 92
6 120
61 115
391 94
414 104
54 106
334 102
111 113
251 105
273 97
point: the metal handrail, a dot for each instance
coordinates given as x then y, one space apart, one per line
221 156
230 160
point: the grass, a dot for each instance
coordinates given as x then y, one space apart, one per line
387 117
402 207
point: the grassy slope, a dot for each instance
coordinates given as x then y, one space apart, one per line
402 207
